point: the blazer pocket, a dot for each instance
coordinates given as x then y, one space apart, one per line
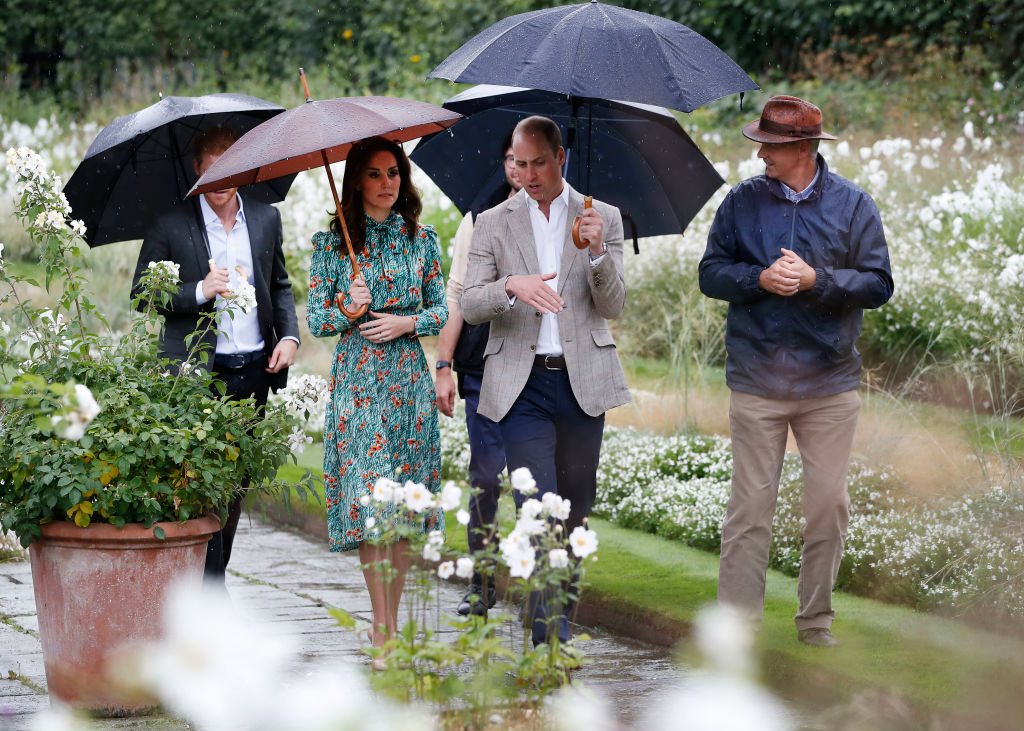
602 338
493 346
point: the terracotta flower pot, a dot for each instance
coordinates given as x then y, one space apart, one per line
101 588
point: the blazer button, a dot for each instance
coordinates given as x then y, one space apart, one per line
533 347
537 314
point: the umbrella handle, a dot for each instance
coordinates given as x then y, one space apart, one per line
581 243
339 300
241 273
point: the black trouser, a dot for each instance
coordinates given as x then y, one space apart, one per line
547 431
249 381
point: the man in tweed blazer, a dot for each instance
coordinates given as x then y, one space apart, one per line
551 367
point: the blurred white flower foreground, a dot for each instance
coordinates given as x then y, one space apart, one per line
222 669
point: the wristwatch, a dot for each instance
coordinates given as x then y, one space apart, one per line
442 364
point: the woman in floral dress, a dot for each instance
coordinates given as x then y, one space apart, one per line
381 419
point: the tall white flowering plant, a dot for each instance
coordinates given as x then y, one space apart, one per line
470 676
94 425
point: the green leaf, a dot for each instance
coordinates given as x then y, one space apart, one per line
345 619
160 533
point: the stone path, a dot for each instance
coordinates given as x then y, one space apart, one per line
290 580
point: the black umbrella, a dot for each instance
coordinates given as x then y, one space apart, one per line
599 51
634 156
140 165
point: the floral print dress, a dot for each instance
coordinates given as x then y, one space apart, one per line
381 418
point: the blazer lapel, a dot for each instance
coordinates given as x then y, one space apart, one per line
522 231
197 233
258 242
569 251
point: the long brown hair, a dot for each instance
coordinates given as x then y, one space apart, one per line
407 204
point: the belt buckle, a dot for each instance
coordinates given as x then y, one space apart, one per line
234 361
548 367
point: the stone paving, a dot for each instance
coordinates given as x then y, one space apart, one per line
290 580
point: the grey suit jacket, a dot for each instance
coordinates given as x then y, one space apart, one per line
177 237
503 245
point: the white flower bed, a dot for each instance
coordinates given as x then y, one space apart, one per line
949 556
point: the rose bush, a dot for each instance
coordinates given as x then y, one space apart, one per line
94 425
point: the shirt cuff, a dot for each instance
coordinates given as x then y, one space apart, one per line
511 297
594 261
290 337
200 300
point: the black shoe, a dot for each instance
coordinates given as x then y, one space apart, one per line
472 602
817 637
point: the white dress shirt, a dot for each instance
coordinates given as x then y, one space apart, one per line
548 237
240 334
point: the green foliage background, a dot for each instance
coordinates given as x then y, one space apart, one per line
91 47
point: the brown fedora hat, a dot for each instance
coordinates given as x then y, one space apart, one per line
786 119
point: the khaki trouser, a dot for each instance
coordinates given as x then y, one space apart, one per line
824 429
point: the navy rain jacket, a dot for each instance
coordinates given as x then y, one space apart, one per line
802 346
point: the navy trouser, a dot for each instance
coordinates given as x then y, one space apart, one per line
253 381
486 461
547 431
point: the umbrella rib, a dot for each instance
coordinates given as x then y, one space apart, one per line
576 56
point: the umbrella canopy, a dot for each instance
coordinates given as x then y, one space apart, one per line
140 165
601 51
320 132
634 156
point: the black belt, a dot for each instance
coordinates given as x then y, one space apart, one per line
234 361
550 362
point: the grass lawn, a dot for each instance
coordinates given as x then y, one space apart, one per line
942 668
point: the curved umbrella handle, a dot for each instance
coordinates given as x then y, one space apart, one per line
339 300
581 243
241 273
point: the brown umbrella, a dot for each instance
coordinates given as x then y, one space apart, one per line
319 133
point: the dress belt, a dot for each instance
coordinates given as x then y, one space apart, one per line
550 362
234 361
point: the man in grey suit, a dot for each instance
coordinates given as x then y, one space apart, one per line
212 238
551 368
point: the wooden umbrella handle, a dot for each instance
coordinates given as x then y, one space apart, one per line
339 298
241 273
588 202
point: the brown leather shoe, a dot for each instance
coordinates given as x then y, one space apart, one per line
817 637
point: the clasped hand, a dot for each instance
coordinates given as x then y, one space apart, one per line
787 275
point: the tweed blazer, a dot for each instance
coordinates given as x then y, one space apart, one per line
503 245
177 236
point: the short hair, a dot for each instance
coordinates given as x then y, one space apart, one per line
213 140
538 125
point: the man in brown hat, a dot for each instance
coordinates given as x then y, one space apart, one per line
798 253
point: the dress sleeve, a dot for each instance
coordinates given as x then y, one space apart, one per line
434 314
322 314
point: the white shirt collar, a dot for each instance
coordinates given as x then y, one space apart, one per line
563 197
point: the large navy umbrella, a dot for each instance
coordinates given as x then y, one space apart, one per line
634 156
599 51
140 165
